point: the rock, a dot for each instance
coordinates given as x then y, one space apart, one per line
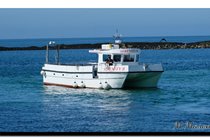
140 45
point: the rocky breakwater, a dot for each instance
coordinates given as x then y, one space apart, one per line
140 45
168 45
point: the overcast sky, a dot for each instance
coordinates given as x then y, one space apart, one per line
70 23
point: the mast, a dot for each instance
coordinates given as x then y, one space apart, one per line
47 54
117 37
58 55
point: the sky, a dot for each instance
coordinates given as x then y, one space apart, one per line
76 23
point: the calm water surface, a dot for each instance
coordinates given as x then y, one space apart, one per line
183 95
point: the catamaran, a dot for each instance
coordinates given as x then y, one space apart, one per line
117 67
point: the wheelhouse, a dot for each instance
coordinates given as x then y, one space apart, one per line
118 55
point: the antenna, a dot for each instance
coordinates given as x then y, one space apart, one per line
117 37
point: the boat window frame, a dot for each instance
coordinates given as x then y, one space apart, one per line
129 58
120 60
104 60
137 58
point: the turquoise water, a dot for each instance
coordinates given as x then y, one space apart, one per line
183 95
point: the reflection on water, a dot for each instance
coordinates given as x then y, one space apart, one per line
100 99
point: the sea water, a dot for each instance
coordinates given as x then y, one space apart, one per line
182 96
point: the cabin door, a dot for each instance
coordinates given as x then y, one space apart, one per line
95 71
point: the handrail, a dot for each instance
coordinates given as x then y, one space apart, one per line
52 43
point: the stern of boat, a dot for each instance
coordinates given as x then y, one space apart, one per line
147 76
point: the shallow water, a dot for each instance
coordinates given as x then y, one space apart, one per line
28 106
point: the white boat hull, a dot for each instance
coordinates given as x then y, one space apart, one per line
106 81
67 80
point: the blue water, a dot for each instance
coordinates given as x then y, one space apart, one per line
43 42
183 95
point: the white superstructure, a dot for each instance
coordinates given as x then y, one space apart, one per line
117 67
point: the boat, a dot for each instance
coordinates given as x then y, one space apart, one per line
117 67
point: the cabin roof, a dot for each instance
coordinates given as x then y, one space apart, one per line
116 51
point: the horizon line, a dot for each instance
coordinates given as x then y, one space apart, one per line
103 37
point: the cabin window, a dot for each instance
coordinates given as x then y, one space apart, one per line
105 57
117 58
128 58
137 58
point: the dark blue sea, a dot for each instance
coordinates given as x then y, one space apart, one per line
181 103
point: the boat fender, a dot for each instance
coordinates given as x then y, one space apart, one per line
145 66
82 85
100 86
43 73
106 86
75 85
